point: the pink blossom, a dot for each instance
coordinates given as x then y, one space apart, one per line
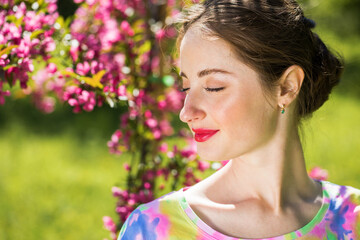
166 128
51 68
203 165
190 150
174 100
24 47
147 185
116 136
74 53
4 60
126 28
3 93
45 104
121 90
52 7
156 133
160 34
32 21
319 173
151 122
148 114
116 191
163 148
49 44
21 10
162 105
83 68
127 167
90 54
110 34
109 224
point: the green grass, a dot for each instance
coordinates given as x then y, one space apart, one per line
56 185
332 140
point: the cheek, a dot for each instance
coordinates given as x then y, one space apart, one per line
247 114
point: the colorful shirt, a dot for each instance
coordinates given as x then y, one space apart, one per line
171 218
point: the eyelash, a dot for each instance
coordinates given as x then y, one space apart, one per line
207 89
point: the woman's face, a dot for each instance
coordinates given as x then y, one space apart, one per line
225 105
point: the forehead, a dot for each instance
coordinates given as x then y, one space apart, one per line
206 51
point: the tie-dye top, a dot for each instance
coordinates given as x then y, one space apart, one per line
171 218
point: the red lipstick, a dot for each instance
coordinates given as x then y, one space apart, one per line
202 135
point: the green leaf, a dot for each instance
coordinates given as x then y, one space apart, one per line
153 79
60 21
7 50
97 78
11 18
9 66
92 82
36 33
145 47
71 74
168 80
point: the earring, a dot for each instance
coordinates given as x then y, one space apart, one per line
283 109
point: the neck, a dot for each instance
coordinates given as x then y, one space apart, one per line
275 174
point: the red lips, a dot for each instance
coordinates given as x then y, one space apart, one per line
202 135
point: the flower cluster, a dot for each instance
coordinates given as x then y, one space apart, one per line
27 32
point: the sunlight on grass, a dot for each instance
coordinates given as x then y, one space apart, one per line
55 187
332 140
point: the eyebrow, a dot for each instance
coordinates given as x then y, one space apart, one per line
207 71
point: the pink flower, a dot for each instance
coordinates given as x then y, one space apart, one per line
44 104
83 68
24 47
116 191
116 136
51 68
318 173
3 93
147 185
174 100
203 165
151 122
127 167
160 34
74 53
163 148
157 134
52 7
32 21
166 128
21 10
121 90
109 224
190 150
49 44
126 28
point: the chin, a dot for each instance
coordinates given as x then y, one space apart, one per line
210 155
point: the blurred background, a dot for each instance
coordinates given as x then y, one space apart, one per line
56 173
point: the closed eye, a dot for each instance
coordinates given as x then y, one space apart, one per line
184 89
214 89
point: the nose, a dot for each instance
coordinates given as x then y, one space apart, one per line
192 111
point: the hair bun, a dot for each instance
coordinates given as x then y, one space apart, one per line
326 73
309 22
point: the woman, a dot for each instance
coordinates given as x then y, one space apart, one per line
251 71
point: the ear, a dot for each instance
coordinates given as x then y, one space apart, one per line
290 83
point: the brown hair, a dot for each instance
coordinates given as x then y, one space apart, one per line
270 36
